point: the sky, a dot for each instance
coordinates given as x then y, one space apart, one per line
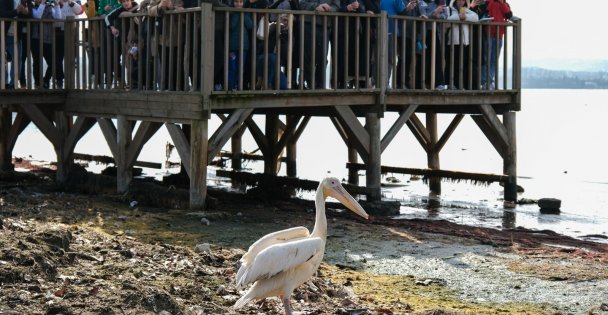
560 29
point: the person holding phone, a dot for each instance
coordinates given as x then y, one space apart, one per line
457 71
434 10
479 8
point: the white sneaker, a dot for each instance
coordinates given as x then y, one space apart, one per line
441 87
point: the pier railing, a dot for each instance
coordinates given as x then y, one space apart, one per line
228 50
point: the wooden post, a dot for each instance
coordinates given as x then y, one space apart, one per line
373 165
271 159
517 62
199 145
237 149
292 170
353 174
382 60
510 157
64 162
124 173
433 152
5 153
183 167
237 154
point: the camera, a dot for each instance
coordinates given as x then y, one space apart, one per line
50 3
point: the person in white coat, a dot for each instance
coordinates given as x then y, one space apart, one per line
457 71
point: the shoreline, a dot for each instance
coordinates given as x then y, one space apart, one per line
432 264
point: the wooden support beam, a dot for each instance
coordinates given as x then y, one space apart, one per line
288 132
145 131
336 122
198 163
404 116
301 128
124 173
491 134
291 143
258 136
64 161
433 153
353 175
271 164
19 124
110 160
181 144
373 176
109 133
448 132
356 132
78 130
221 136
5 127
237 148
492 118
510 157
280 181
247 156
419 131
42 122
476 177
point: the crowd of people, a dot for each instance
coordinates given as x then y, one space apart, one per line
353 63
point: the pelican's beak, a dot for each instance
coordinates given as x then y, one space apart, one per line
346 199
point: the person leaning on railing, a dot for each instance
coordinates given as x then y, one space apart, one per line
45 11
318 72
393 8
69 8
92 41
499 11
106 58
8 9
479 8
234 60
433 10
166 42
266 72
458 11
346 55
128 39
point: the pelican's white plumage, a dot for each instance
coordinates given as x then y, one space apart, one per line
279 262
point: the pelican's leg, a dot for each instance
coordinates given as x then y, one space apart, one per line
287 305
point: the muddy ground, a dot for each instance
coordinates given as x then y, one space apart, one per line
71 253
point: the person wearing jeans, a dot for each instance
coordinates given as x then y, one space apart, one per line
499 11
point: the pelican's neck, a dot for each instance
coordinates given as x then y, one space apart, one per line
320 229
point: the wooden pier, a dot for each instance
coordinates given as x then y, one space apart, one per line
182 96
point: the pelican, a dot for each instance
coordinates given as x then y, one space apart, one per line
279 262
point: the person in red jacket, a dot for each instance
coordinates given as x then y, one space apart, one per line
500 12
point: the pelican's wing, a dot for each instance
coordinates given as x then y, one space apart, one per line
266 241
280 257
274 238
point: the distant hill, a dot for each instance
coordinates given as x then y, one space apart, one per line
589 65
542 78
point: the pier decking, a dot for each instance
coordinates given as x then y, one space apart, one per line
177 88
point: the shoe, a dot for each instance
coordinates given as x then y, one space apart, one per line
45 85
218 87
441 87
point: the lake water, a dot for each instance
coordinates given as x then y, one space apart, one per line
561 154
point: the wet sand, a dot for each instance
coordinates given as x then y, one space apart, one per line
378 266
